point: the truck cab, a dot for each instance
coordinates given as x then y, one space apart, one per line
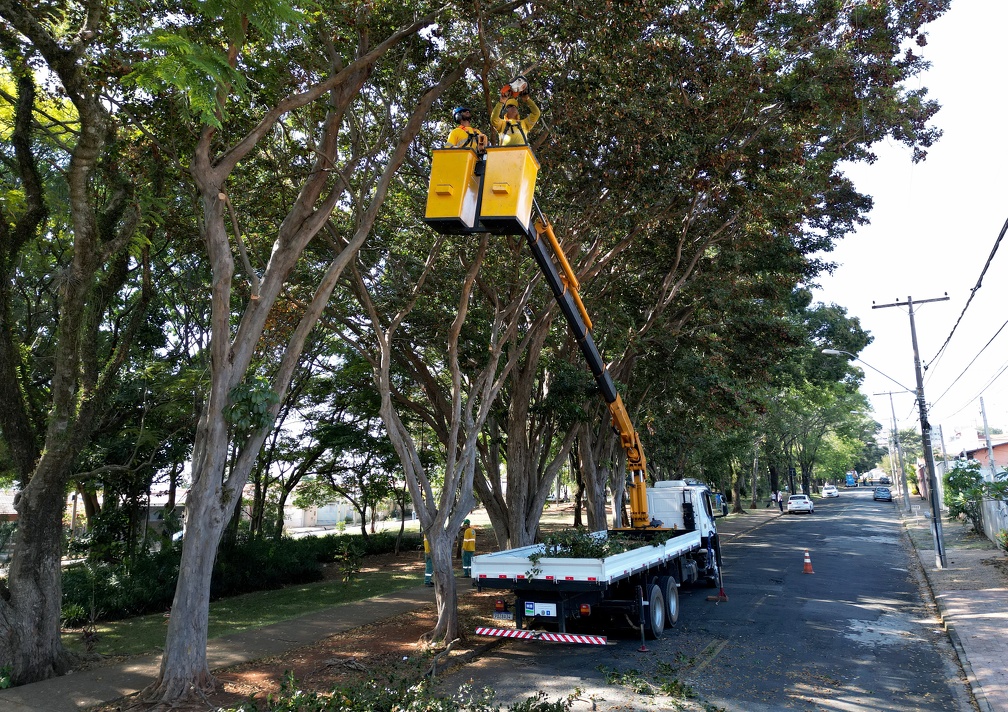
682 506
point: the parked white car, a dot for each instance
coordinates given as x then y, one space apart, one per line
799 503
830 491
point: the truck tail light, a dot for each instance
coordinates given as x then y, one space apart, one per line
585 609
500 605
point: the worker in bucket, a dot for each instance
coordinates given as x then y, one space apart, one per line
465 135
468 548
505 117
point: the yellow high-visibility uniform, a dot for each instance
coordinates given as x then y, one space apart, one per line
514 132
464 137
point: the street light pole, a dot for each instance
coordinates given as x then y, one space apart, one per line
936 525
899 451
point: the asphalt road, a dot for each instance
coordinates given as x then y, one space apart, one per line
856 634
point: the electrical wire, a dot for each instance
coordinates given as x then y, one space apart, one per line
973 292
971 362
982 389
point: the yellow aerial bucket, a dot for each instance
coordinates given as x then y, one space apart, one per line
453 193
508 190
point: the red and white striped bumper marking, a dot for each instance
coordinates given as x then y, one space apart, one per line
539 635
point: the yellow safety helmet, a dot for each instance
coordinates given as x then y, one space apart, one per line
511 102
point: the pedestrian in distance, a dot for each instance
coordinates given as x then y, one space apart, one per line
428 563
780 501
468 549
506 119
773 499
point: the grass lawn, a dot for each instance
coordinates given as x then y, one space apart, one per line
146 634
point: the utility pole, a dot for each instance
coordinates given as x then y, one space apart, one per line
941 436
936 526
990 448
899 451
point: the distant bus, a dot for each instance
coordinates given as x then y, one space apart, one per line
852 479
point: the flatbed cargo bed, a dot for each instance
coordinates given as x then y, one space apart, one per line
504 569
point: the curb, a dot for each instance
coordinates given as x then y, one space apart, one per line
754 527
974 683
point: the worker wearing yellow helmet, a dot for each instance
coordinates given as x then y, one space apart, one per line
505 119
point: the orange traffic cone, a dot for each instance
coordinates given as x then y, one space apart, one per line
808 564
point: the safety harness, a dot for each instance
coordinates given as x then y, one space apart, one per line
472 138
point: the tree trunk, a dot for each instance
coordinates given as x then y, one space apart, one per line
755 476
579 487
618 490
184 667
736 489
91 506
30 616
445 590
596 477
487 483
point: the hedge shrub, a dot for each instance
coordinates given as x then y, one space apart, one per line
146 583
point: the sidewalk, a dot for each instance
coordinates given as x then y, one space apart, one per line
80 690
971 593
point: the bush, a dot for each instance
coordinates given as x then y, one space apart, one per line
965 489
259 564
119 590
146 583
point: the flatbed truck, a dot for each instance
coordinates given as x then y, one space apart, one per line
494 191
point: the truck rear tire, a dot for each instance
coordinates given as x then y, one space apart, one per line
668 587
654 616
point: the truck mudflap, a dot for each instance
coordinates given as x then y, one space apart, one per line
543 635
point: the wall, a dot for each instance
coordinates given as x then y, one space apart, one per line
995 517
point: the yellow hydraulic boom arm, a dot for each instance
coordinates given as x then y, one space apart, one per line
565 288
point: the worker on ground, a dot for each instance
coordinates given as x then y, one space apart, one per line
428 563
468 549
465 135
513 130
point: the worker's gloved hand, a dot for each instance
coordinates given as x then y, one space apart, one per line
505 92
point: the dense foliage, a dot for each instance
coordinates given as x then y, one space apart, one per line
100 590
966 488
211 220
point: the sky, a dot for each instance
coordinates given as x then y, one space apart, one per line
933 227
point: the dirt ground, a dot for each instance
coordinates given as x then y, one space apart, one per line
389 647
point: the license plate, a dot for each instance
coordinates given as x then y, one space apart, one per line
540 609
503 616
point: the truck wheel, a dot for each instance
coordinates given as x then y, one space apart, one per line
668 587
654 616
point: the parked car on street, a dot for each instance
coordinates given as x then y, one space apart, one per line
882 494
830 491
800 503
884 480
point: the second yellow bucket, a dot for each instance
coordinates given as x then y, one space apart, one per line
508 189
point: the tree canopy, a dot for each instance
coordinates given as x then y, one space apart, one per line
211 214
